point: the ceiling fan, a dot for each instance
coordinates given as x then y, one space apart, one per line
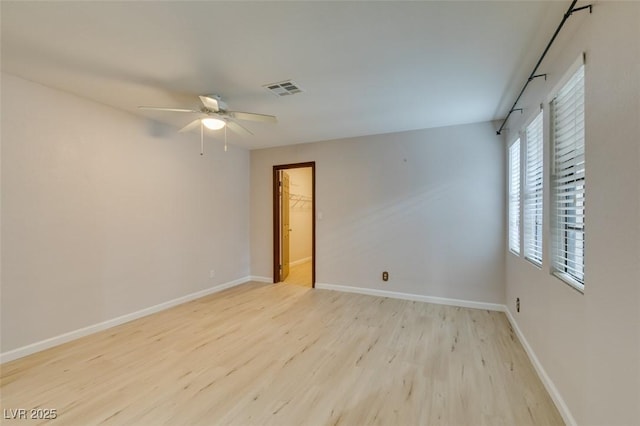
214 115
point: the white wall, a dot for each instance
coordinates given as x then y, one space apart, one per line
104 213
424 205
301 215
589 344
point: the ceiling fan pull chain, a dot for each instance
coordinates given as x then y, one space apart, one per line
201 138
225 138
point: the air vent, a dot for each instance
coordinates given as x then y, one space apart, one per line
283 88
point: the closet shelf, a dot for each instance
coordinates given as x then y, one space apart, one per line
299 199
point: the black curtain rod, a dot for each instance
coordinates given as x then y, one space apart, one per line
533 74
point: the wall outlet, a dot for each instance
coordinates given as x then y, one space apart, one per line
385 276
212 273
517 304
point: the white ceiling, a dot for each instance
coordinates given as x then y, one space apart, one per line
365 67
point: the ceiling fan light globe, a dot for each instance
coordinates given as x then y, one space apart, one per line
213 123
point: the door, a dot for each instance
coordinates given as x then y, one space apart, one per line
286 226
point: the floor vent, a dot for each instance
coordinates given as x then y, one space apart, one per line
283 88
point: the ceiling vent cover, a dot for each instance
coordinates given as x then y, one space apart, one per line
283 88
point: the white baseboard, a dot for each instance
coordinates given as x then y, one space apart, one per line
544 377
415 297
261 279
300 261
76 334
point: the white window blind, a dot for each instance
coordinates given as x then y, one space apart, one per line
567 112
532 192
514 197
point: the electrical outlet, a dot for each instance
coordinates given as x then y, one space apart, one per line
212 273
517 304
385 276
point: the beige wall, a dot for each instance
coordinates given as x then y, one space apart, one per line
104 213
301 215
424 205
589 344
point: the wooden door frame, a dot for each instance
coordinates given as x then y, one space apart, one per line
276 215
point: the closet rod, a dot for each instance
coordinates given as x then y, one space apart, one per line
533 74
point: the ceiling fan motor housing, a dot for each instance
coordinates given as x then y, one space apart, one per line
221 104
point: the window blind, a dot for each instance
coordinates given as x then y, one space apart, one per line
567 112
532 203
514 197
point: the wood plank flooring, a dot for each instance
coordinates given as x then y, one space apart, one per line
300 275
287 355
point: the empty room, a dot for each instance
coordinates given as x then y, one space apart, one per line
320 213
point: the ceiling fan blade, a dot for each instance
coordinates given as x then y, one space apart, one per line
264 118
190 126
210 103
235 127
167 109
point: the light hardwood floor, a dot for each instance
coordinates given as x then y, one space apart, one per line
300 275
287 355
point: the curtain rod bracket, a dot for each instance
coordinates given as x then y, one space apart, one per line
578 9
538 75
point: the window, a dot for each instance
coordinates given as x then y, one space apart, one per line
532 192
567 114
514 197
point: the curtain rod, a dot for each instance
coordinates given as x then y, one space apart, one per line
533 74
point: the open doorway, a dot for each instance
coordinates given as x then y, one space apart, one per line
294 225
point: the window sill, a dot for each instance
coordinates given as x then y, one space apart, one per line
535 263
570 281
